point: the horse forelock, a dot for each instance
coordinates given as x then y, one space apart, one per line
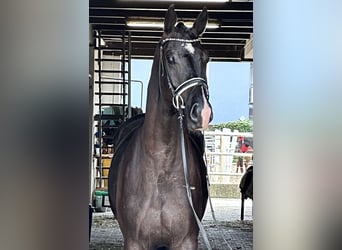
181 31
181 25
182 28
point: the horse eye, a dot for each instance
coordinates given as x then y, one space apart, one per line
171 59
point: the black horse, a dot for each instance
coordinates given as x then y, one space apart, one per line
146 180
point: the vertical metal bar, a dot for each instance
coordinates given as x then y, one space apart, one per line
251 101
92 44
123 67
129 75
100 104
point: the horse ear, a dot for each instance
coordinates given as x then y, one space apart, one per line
201 22
170 19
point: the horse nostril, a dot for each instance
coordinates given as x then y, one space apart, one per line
194 113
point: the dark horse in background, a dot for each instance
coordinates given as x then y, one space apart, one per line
246 188
146 180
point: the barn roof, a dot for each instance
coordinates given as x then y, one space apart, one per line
230 39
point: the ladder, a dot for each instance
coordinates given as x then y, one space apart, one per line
112 93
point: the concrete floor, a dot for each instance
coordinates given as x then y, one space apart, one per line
106 235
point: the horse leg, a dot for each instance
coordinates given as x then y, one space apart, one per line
242 206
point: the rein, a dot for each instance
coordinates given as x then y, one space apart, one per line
187 185
189 188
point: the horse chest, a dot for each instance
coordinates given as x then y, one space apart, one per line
169 187
167 209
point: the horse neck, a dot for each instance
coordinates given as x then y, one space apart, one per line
160 125
162 141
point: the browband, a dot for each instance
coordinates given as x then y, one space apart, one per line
179 40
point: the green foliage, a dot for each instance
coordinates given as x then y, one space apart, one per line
240 125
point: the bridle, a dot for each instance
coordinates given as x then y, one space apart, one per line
178 103
177 99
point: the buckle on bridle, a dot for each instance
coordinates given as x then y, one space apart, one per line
178 102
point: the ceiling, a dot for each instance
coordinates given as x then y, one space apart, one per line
231 41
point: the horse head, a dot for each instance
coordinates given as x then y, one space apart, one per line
183 69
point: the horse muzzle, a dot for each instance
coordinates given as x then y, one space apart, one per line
200 115
199 111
